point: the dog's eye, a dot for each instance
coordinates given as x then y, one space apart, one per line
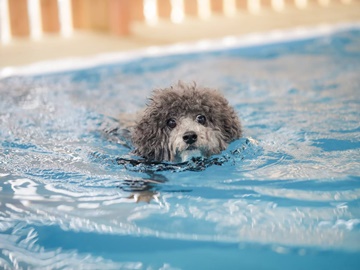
171 123
201 119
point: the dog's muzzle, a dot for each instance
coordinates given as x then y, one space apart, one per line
190 138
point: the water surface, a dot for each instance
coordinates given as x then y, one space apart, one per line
287 195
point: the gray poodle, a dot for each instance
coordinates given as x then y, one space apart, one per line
185 121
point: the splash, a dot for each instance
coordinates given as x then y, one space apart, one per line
237 151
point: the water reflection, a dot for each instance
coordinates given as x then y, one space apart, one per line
18 243
251 220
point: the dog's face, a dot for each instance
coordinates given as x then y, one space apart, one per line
185 121
192 135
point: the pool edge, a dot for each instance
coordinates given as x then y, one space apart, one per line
204 45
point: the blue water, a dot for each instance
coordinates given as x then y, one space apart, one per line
286 196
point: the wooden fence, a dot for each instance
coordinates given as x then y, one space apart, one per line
33 18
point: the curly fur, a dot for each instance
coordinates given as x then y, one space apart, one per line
155 140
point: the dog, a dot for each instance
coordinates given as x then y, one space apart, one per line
185 121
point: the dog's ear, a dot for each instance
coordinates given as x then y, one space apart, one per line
224 116
149 138
231 124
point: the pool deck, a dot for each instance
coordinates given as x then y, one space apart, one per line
85 44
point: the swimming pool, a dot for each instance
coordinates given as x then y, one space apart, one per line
286 196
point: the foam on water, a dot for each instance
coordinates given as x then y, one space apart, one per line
287 194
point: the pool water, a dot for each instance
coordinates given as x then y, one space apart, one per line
286 196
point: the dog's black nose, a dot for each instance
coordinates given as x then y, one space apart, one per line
190 137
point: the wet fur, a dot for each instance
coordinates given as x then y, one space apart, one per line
154 140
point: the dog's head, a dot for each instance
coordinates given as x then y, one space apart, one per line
185 121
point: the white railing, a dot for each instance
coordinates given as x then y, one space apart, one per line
33 18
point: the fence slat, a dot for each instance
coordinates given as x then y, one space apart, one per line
191 7
80 14
216 6
164 9
266 3
119 14
137 10
242 5
50 16
19 18
100 14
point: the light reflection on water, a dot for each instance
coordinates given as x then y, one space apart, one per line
290 187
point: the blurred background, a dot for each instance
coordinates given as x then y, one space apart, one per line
39 30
